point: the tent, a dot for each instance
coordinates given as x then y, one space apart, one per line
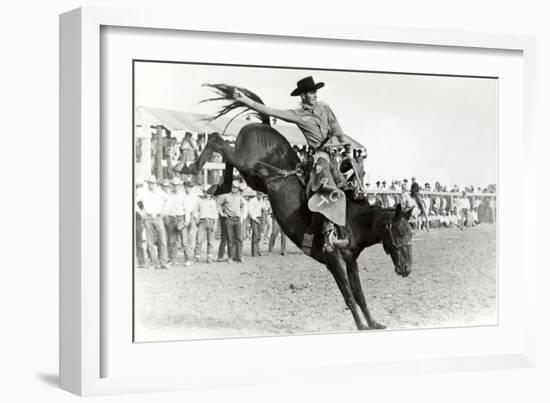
177 121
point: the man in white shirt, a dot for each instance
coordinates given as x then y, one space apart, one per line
152 204
255 214
189 230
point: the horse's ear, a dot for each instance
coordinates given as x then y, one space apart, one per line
408 213
397 210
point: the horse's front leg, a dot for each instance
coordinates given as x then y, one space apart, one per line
355 283
336 265
214 144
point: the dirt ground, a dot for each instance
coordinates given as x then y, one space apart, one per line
453 283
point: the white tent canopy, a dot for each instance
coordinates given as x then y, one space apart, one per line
180 122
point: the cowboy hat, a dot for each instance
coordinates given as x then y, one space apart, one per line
305 85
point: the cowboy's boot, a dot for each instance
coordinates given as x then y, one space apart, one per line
331 239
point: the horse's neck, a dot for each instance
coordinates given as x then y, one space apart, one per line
378 227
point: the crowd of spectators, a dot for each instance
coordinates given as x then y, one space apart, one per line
176 222
443 206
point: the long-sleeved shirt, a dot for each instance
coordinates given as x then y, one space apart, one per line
316 123
154 203
176 204
190 204
207 208
230 205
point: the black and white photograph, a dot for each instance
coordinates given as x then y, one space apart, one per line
273 201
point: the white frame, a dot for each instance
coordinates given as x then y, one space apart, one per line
80 184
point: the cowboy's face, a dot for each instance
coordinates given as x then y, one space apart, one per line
309 98
234 189
152 186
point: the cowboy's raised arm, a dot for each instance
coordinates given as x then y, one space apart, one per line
286 115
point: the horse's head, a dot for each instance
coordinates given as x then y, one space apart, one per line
397 241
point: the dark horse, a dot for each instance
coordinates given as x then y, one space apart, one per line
267 162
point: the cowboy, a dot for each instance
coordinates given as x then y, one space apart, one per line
321 129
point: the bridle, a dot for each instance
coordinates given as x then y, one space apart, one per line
394 244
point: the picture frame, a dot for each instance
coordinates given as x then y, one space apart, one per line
86 350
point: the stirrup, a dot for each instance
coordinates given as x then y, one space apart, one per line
332 242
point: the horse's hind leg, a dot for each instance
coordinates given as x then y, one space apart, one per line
355 283
336 265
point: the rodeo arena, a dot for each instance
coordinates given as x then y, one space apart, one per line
201 274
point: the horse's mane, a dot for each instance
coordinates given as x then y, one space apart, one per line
365 214
225 93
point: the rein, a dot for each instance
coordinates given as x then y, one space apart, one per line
394 244
280 173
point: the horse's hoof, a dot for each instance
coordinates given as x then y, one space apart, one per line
377 326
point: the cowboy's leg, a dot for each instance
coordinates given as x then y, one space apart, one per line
323 174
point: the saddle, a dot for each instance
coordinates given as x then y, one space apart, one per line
328 184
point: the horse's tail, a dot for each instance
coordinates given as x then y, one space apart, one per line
225 93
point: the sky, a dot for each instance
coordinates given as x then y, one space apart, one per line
433 127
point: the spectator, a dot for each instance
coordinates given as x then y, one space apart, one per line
189 230
275 232
174 218
207 213
140 225
224 239
415 194
230 208
266 218
255 215
152 205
